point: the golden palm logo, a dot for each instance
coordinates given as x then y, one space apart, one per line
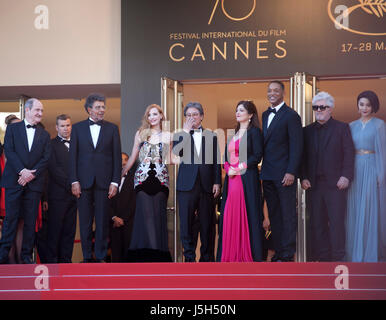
377 8
227 14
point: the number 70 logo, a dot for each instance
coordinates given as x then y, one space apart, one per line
227 14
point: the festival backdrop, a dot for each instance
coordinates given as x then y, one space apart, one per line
245 39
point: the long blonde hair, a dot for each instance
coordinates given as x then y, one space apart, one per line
144 129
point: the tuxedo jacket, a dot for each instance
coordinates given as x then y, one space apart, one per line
123 204
19 157
101 165
337 153
59 186
283 144
206 163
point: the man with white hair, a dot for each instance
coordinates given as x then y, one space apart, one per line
27 148
328 168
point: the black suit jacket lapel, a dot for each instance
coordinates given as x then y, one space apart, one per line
313 145
192 149
61 145
275 121
100 137
265 122
330 131
201 155
23 134
314 138
127 185
38 132
88 132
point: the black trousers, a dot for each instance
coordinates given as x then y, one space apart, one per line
94 204
281 204
19 203
327 219
188 203
61 229
119 242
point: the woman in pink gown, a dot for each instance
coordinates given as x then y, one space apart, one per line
240 224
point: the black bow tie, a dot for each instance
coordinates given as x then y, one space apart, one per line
273 110
90 122
195 130
31 126
64 140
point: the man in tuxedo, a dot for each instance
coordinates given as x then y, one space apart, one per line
283 145
61 202
328 168
122 215
198 181
95 174
27 149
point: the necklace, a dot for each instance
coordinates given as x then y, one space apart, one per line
364 122
239 134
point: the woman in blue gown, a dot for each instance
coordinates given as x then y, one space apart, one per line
366 209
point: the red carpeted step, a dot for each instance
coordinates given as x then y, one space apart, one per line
194 281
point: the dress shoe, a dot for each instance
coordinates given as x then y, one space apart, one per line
282 259
4 260
288 259
88 261
64 261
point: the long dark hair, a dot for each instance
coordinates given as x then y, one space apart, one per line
251 109
372 97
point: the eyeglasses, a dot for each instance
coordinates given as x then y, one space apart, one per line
195 114
99 107
321 108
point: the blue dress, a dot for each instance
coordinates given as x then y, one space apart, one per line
366 210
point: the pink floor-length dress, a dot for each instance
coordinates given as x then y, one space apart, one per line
236 245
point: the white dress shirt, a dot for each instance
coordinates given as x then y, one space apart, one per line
122 182
197 138
271 115
95 130
30 134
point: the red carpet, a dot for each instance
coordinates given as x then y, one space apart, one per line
194 281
